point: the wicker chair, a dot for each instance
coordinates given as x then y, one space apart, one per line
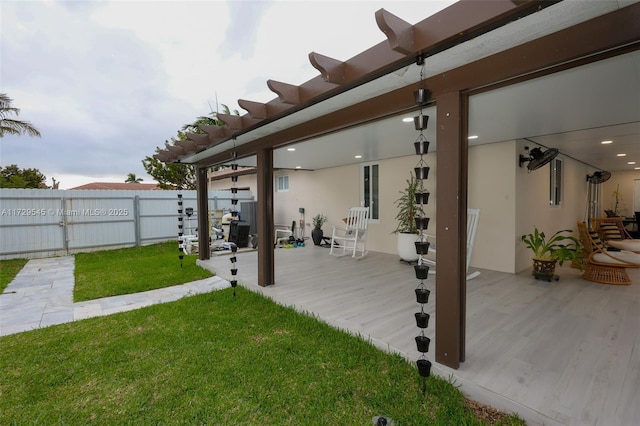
603 266
614 234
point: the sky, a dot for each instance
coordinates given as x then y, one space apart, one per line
106 82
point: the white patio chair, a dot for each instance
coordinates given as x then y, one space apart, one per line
473 215
353 238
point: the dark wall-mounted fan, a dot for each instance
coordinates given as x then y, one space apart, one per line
599 177
537 158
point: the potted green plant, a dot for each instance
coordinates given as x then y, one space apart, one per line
548 251
316 233
408 211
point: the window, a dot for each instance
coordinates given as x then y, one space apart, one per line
282 184
369 189
555 179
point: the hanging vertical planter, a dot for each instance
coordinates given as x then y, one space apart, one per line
422 295
424 367
422 247
421 172
422 197
180 230
234 214
422 223
420 121
422 343
421 147
422 319
422 271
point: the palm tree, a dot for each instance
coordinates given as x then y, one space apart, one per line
131 178
9 126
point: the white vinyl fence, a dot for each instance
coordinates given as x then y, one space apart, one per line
49 222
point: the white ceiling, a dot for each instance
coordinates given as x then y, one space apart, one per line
573 110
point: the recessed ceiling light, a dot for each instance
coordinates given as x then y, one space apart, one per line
606 142
291 149
636 168
473 137
621 155
298 167
631 162
407 120
358 156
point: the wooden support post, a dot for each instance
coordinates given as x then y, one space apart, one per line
203 214
266 227
451 218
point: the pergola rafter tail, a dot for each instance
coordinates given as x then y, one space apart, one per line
331 70
200 139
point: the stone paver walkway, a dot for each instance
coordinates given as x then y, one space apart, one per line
42 295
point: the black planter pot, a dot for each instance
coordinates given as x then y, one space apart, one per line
316 236
422 147
421 96
422 197
544 269
424 367
422 295
422 223
422 247
422 319
420 121
421 172
422 271
422 342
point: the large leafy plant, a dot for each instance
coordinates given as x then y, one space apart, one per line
559 246
408 210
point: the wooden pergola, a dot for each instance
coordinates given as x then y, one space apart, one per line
611 34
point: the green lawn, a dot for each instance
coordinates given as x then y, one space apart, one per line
213 359
8 270
206 359
132 270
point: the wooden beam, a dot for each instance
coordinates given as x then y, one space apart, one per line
176 149
451 217
202 187
399 32
288 93
188 145
255 109
331 70
199 139
266 227
518 63
214 132
233 122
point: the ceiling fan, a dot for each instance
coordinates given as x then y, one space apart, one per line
599 177
537 158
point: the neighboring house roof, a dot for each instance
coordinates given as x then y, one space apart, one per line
119 186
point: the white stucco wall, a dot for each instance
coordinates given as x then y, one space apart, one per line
533 207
